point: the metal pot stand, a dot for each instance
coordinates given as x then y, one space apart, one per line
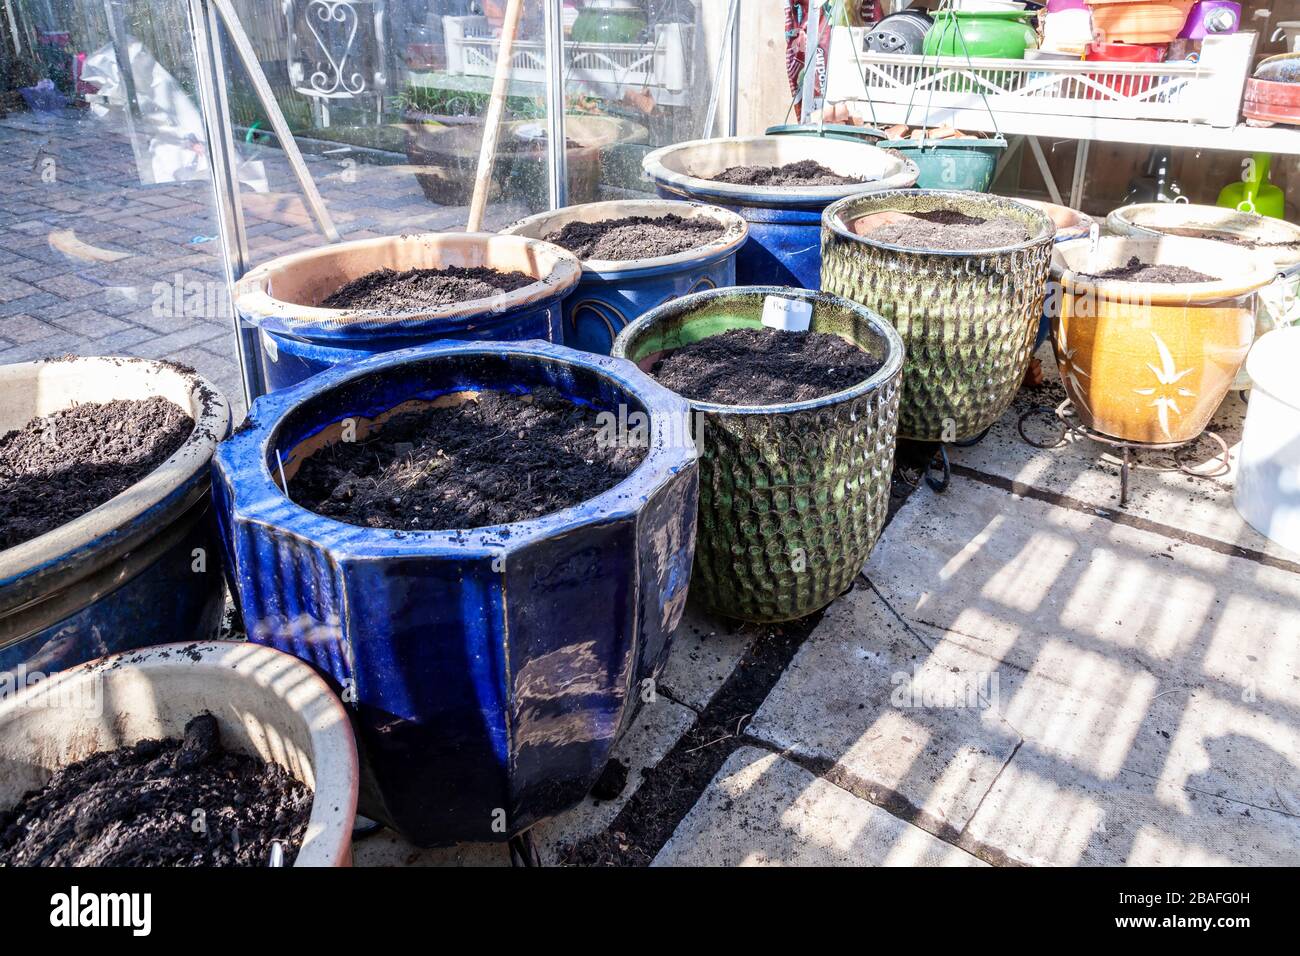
1063 420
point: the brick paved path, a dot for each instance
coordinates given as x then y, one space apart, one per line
71 180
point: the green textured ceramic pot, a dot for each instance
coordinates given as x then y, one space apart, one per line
792 496
968 318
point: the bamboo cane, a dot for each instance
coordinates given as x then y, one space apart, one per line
492 126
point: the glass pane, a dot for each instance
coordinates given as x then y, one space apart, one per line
106 208
637 76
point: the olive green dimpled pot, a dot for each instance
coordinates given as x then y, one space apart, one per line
793 496
968 318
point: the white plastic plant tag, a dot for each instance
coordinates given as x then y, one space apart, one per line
788 315
1094 237
269 347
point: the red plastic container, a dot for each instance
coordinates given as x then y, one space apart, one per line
1124 53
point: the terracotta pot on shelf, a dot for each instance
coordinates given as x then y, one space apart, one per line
1139 21
1151 362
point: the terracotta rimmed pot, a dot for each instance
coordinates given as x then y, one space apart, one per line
784 223
1151 362
490 669
299 338
140 569
967 318
268 704
792 496
613 293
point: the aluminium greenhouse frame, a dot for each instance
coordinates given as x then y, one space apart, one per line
208 17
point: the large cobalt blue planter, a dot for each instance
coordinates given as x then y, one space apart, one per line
611 294
784 247
299 338
490 671
144 567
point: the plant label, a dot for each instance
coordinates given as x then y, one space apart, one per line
788 315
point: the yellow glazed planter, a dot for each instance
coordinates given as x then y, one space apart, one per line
1150 362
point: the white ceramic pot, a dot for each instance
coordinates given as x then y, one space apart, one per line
123 574
1268 470
267 703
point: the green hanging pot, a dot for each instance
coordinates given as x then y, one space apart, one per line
1004 34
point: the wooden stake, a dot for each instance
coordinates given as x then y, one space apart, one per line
492 125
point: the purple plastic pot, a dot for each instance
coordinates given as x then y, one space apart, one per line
1211 18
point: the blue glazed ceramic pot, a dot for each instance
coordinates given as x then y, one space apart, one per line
784 247
144 567
612 293
489 671
300 338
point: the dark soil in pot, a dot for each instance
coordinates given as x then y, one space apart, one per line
496 460
636 237
765 367
57 467
948 230
418 290
143 806
806 172
1135 270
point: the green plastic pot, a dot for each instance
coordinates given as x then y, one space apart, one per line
1004 34
967 318
952 163
792 496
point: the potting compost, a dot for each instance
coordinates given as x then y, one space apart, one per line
386 290
1135 270
138 806
59 466
805 172
765 367
494 460
636 237
950 230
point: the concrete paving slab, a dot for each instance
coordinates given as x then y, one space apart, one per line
1083 470
892 720
704 653
762 810
1144 674
1044 812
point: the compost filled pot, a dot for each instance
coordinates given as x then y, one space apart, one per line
1274 240
267 704
611 294
784 222
300 338
792 496
489 671
967 317
1150 362
140 569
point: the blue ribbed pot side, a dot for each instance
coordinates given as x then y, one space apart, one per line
489 672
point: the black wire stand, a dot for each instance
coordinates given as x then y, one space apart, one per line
1066 423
